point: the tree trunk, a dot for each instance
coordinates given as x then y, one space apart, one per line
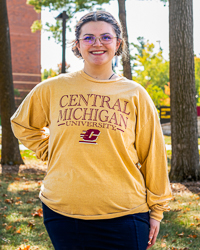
125 61
185 156
10 148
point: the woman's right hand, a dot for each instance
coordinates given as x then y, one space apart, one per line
153 233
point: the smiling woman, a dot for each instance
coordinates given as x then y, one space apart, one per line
107 165
98 40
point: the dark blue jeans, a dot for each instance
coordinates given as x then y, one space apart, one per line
129 232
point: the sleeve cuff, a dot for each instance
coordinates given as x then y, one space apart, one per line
156 215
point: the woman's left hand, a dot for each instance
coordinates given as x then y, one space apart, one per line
154 230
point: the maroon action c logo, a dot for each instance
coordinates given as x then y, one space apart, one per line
90 136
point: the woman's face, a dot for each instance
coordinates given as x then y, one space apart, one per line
105 52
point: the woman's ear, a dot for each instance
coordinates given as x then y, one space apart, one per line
118 44
77 45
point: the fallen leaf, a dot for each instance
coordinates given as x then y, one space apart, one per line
173 241
192 236
163 245
18 231
181 234
192 224
37 214
23 247
8 227
9 201
30 224
41 234
165 236
17 179
18 202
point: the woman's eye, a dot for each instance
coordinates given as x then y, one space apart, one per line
88 38
106 38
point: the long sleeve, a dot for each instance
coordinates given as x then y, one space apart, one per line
151 151
28 123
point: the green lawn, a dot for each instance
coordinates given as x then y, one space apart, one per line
22 222
20 213
168 140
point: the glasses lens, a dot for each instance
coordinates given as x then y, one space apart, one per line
88 39
106 39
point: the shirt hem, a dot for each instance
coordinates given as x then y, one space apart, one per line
141 208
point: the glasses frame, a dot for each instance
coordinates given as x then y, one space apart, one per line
99 37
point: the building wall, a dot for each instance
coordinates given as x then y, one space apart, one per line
25 47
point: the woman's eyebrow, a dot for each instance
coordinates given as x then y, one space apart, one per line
88 35
94 35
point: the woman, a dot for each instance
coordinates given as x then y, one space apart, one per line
106 154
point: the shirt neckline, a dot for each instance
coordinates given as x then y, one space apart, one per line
83 74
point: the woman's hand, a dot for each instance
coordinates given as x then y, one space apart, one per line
154 230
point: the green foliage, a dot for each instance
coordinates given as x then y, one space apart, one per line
70 6
197 79
37 25
16 92
48 74
56 31
150 70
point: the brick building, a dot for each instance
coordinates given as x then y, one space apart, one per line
25 47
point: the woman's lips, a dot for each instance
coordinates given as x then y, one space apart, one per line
101 52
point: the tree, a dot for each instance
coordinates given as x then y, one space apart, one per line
10 147
74 6
151 71
185 156
125 60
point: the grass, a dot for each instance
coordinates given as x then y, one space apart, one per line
20 213
19 205
180 228
26 154
21 223
168 140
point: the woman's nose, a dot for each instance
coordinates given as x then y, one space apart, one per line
97 42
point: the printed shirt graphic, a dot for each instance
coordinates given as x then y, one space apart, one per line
99 131
93 110
90 136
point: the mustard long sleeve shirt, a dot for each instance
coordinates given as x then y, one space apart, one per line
106 153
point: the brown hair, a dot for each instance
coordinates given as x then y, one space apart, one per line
99 16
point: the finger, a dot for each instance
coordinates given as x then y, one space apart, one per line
151 235
155 236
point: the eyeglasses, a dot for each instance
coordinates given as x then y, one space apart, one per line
104 39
